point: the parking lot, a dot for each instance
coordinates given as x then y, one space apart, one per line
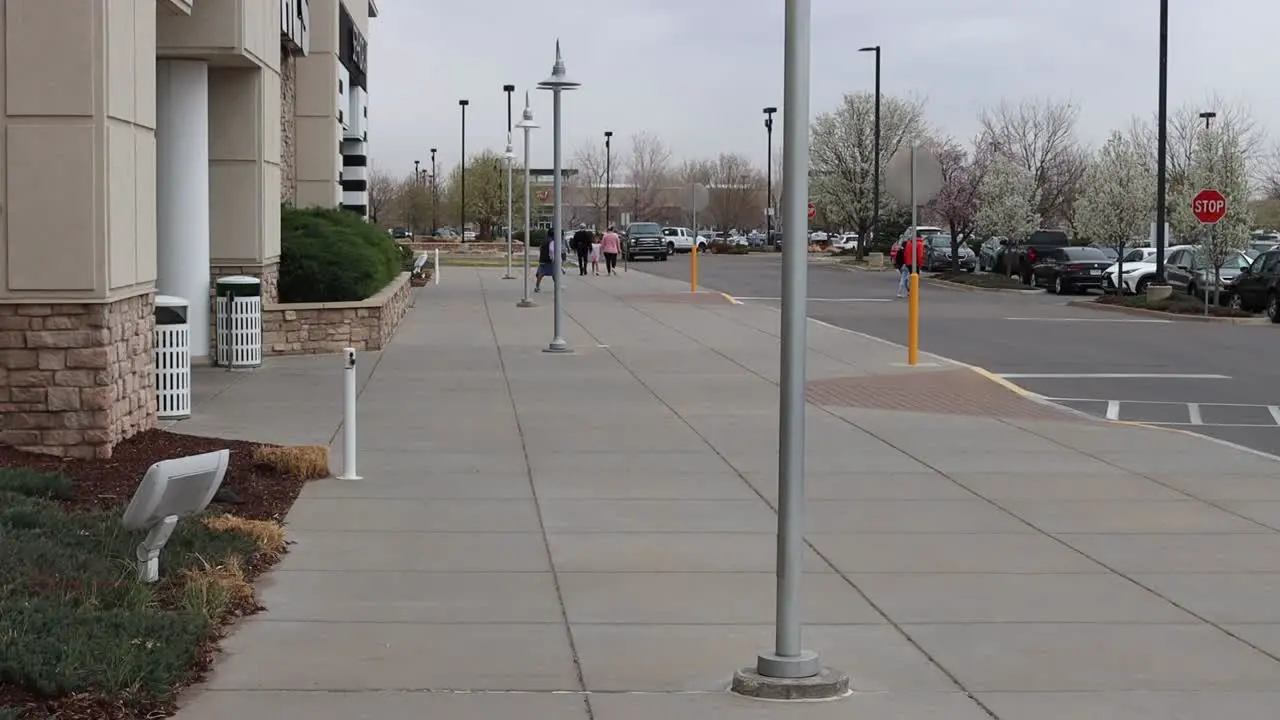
1210 378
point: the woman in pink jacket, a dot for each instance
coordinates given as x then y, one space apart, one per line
610 245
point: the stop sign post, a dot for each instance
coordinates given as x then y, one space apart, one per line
1209 206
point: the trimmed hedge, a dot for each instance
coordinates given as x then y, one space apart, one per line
333 255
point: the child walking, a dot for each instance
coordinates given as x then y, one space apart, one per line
595 257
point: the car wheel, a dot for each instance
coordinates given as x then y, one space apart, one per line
671 247
702 247
1141 287
1059 287
1273 307
1235 302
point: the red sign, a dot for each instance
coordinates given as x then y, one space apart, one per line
1209 206
813 211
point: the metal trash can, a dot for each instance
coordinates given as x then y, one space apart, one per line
239 311
172 353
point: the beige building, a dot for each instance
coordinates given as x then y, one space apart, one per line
150 154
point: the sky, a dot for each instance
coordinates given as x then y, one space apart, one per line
697 73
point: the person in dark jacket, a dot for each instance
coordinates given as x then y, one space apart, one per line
546 263
582 240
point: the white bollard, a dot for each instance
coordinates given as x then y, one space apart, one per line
435 272
349 416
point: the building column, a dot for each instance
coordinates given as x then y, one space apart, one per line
182 190
355 176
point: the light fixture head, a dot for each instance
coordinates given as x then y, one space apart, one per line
510 154
870 48
559 79
526 121
608 133
770 110
433 151
464 103
509 88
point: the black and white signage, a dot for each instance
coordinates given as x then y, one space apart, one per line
295 25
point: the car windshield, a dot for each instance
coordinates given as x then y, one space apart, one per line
1109 252
939 241
1084 253
645 229
1237 261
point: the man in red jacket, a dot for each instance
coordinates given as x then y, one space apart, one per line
910 257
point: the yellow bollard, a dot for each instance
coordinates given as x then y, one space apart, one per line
693 269
913 320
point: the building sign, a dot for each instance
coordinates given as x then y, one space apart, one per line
295 26
353 50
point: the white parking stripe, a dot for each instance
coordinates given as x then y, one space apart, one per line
1113 409
1193 414
1275 412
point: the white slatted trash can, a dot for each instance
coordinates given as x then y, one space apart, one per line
172 352
239 318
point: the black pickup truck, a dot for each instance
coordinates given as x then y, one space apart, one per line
1026 254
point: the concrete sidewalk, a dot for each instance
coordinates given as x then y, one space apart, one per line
591 536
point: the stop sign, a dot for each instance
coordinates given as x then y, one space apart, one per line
1209 206
813 211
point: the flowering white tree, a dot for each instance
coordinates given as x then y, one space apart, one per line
842 156
957 200
1118 198
1007 201
1220 163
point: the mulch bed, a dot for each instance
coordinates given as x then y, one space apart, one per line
1176 304
249 490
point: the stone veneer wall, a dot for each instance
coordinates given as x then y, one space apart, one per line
76 379
311 328
288 128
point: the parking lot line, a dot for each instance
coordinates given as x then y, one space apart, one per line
1113 409
1275 412
1193 414
1111 376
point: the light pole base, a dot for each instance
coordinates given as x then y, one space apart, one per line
827 684
508 277
526 304
558 346
1156 293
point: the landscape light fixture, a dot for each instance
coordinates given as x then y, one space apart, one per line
526 124
171 489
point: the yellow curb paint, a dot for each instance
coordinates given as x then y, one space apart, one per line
1002 382
732 300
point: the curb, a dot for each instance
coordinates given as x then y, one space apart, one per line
973 288
1167 316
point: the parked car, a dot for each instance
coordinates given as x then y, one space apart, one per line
938 254
988 251
755 238
1028 254
1139 265
401 233
645 239
1188 271
1069 269
683 240
847 241
1257 287
1107 250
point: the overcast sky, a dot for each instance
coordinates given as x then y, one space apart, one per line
698 72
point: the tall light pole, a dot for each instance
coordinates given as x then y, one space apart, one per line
557 83
526 124
435 197
1162 146
462 178
768 131
608 174
875 189
789 671
511 156
413 209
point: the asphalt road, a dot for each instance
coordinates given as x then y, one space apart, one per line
1216 379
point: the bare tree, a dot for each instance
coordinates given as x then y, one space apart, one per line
382 191
1184 131
1040 136
648 170
843 151
735 191
592 166
957 200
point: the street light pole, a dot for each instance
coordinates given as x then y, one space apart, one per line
789 671
526 124
768 130
557 83
875 188
1162 144
608 174
1208 117
435 198
462 179
511 156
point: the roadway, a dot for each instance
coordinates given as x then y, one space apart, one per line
1211 378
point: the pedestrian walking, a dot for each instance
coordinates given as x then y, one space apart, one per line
908 258
595 257
546 263
581 244
610 244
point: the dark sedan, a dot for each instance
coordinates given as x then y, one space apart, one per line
1070 269
938 254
